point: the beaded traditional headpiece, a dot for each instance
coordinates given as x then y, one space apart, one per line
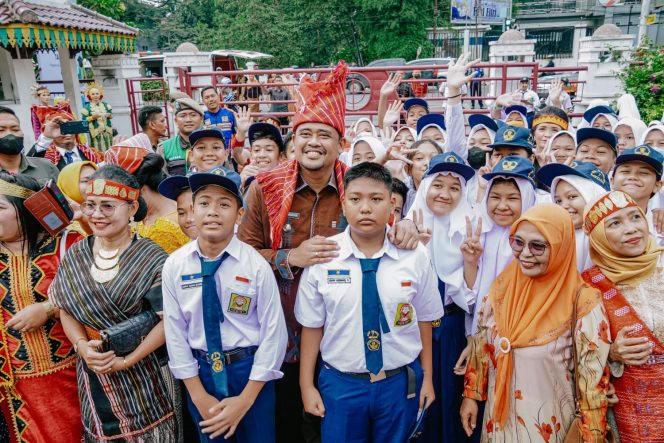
551 119
92 86
12 190
612 202
36 88
106 188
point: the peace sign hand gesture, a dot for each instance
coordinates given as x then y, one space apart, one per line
424 233
472 248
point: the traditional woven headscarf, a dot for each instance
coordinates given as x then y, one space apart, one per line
536 311
619 269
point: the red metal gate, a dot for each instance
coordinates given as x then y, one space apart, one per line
147 91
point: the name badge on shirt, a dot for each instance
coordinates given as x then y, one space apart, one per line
338 276
239 304
191 281
404 314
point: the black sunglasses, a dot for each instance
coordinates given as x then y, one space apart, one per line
535 247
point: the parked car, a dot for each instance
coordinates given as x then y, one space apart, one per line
544 81
443 62
356 83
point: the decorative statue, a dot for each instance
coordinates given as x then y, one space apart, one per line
42 109
98 114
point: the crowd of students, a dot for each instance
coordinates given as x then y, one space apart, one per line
373 283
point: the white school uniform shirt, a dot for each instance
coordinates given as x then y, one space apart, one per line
250 301
330 296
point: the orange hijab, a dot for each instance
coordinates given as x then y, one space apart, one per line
536 311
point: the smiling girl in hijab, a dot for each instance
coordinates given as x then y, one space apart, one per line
561 146
442 206
365 149
572 188
522 353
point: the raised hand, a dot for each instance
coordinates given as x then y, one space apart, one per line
472 248
243 120
456 73
393 113
486 169
555 91
396 152
386 134
390 86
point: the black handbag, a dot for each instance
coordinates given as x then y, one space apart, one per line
124 337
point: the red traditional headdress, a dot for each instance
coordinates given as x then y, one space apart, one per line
323 101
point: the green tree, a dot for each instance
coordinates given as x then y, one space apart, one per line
110 8
644 79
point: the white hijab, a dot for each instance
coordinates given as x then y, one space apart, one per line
433 125
637 126
357 124
627 107
447 234
375 145
659 126
495 240
474 129
590 191
411 130
548 150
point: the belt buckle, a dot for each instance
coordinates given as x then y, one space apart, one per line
377 377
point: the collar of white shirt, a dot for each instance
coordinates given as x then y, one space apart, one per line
347 247
233 249
74 151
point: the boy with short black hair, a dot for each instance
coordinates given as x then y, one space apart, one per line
399 195
225 329
375 304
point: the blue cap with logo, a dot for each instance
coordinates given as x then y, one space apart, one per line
516 108
415 101
593 112
643 153
581 169
513 166
198 134
430 119
481 119
609 137
452 162
171 187
219 176
513 136
266 128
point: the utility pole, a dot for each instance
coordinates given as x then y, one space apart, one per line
435 28
478 13
360 62
643 28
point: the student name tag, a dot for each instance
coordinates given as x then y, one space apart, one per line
191 281
239 304
338 276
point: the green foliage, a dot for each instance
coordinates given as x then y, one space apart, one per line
643 77
295 32
154 90
111 8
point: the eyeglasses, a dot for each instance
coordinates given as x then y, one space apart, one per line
535 247
106 209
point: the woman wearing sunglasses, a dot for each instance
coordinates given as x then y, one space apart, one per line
523 351
110 277
630 275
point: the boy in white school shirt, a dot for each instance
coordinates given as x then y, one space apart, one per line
369 312
225 328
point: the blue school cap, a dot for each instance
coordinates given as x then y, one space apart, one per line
219 176
516 108
430 119
415 101
581 169
593 112
266 128
584 134
452 162
481 119
513 166
643 153
206 132
171 187
513 136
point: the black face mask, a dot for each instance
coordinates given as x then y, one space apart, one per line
476 157
11 144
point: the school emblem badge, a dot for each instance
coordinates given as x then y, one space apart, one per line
239 304
509 135
404 314
373 340
597 175
509 165
435 324
451 159
217 362
642 150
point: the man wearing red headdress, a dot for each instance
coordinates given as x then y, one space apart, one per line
62 149
292 208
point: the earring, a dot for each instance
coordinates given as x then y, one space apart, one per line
131 221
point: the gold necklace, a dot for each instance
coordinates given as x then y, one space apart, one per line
105 265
